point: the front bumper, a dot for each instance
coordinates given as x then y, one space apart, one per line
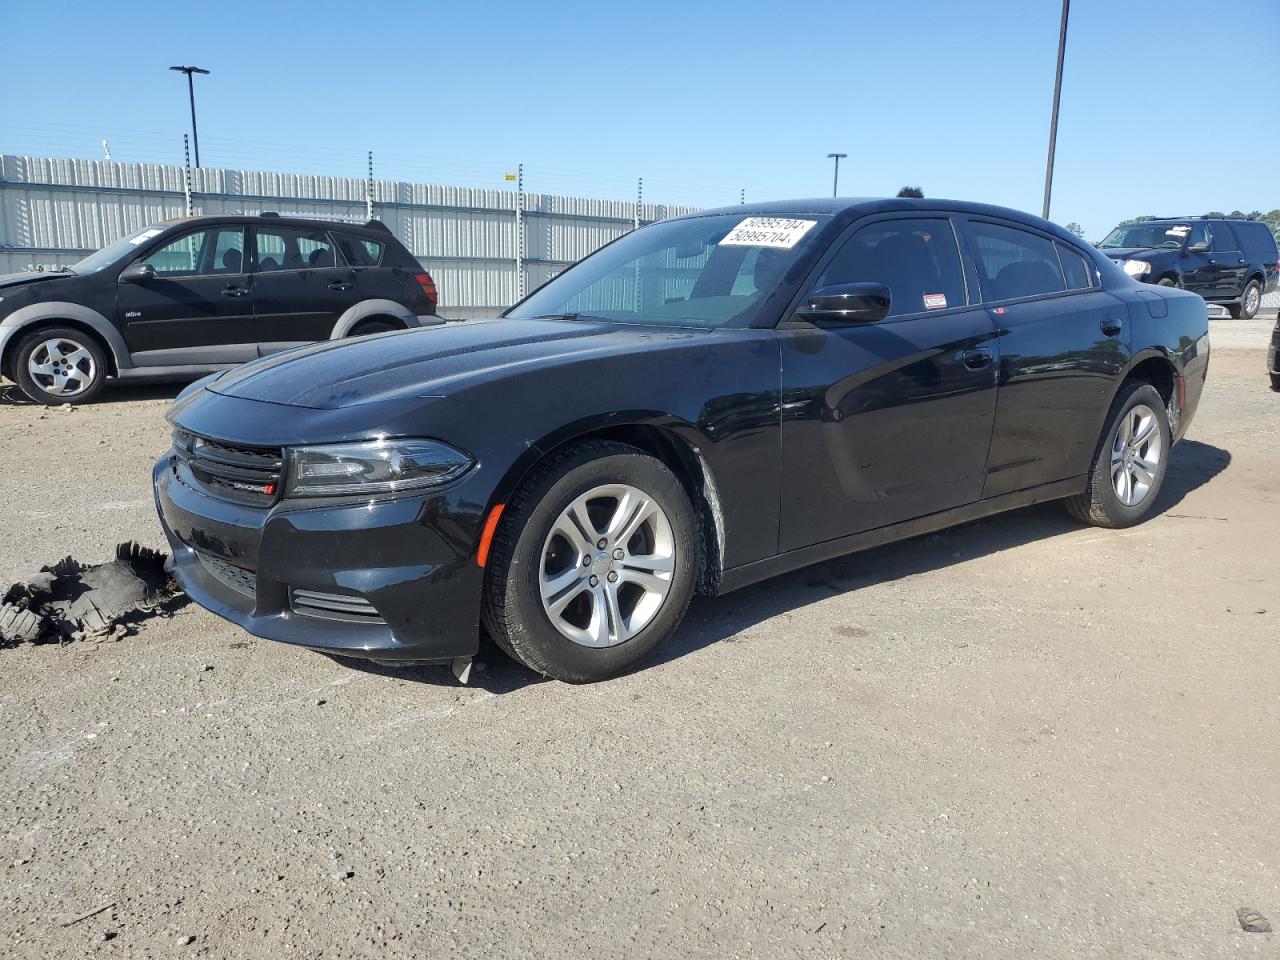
405 567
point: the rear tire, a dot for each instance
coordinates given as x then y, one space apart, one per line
57 365
1130 462
1275 382
568 608
1250 301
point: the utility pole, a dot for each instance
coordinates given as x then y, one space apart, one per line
186 172
1057 96
835 183
742 195
368 190
520 231
639 200
191 92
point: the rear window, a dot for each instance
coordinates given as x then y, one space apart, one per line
1014 263
1258 241
360 252
1075 268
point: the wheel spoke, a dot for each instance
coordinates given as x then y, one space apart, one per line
632 510
1146 426
77 356
650 562
1144 471
646 581
618 628
553 587
54 350
41 369
1123 487
599 626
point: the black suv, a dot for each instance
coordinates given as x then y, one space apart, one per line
1231 262
200 294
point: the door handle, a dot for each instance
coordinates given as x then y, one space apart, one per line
341 285
1111 326
977 359
234 292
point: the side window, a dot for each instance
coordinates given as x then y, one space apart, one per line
1014 263
918 261
360 252
200 253
1199 233
280 248
1076 268
1224 238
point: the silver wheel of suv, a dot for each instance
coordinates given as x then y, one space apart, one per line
607 565
1252 300
1136 454
62 367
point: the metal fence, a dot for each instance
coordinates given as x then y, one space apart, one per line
484 248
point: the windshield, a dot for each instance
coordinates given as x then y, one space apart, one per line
113 252
701 272
1168 235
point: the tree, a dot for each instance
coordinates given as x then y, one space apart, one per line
1075 228
912 193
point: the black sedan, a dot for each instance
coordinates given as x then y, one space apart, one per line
702 404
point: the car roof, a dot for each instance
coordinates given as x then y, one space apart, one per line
851 207
372 228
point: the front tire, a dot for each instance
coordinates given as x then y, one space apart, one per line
1129 465
593 564
57 365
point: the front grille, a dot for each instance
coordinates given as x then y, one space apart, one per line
242 581
243 474
347 607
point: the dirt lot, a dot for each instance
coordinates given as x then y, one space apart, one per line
1021 738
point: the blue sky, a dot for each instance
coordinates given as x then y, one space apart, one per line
1164 107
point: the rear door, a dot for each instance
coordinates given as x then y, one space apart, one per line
887 421
1199 268
198 309
1228 258
300 290
1062 343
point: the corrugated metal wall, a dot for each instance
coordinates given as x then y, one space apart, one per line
56 211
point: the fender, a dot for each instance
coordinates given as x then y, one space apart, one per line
52 311
376 308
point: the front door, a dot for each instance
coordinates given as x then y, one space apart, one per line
1063 343
299 289
887 421
198 309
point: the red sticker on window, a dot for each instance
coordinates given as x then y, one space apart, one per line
935 301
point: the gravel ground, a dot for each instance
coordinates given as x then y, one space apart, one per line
1020 738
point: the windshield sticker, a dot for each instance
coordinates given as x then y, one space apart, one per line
1178 231
935 301
767 232
146 235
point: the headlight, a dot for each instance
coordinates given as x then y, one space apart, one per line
1136 268
375 466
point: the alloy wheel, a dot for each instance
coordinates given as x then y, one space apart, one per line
1252 298
1136 454
62 367
607 565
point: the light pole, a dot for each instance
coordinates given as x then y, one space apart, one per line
191 92
835 183
1057 95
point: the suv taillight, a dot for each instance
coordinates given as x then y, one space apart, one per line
428 286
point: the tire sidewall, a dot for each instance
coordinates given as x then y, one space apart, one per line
1121 513
22 376
534 633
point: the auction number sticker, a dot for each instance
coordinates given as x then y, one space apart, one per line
767 232
146 235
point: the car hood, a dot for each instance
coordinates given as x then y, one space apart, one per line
1128 253
31 276
428 361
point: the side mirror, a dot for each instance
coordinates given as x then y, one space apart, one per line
847 303
138 273
1201 247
